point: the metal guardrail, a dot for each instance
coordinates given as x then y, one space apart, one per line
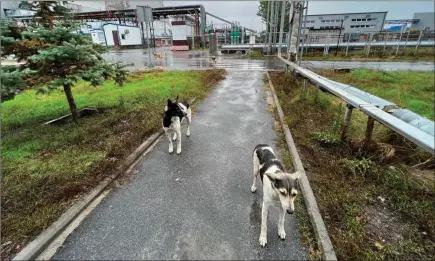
333 45
406 115
412 133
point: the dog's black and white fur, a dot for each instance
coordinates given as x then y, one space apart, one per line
279 188
174 114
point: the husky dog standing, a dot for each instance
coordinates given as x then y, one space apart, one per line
279 188
174 114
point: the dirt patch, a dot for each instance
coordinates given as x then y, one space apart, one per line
383 225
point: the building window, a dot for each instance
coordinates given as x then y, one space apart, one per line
353 20
358 20
374 19
357 26
352 26
322 21
369 19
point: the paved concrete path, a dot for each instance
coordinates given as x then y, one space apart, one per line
196 205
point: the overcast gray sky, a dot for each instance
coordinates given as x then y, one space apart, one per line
245 11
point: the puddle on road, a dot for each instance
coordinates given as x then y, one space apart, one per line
187 60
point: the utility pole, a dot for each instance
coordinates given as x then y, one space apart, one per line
281 27
305 34
294 44
271 28
267 24
290 27
275 23
339 35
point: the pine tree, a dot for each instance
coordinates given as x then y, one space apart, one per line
46 11
56 57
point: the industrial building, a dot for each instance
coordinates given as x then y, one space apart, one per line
423 21
349 22
10 9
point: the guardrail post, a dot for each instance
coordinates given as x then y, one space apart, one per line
369 44
406 42
347 119
418 43
385 43
369 131
304 90
347 45
316 93
400 39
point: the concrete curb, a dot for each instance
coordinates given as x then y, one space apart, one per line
323 241
34 248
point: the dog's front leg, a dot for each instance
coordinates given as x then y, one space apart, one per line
263 233
179 141
171 147
189 121
281 230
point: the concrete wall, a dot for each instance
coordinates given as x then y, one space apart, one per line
426 20
98 37
352 22
108 28
7 5
133 37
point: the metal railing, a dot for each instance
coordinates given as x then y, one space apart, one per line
406 129
379 43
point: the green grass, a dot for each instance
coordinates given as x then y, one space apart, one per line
45 167
257 55
412 90
29 108
376 54
347 181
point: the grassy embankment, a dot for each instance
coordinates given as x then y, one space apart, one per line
376 203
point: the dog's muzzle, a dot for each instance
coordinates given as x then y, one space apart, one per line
289 211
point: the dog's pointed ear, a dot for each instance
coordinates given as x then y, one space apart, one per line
295 176
169 102
274 176
176 99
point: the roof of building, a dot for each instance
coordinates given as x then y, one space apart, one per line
350 13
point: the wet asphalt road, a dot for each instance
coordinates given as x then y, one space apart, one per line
199 59
196 205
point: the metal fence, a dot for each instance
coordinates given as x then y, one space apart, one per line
384 42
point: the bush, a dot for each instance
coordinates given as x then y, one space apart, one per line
326 137
359 167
